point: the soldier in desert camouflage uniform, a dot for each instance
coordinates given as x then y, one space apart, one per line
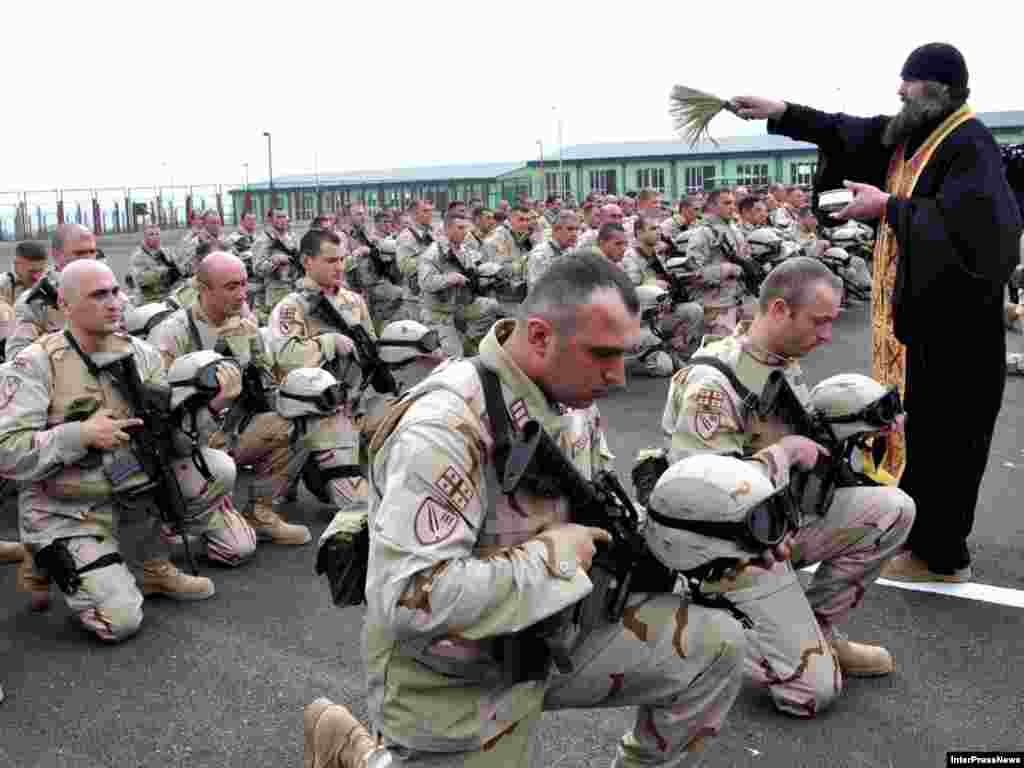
454 564
683 220
448 300
29 266
154 271
413 240
795 648
510 246
241 243
274 260
483 227
550 252
611 213
70 502
35 318
373 277
301 339
211 233
216 322
717 287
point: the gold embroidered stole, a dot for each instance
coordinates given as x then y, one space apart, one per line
888 356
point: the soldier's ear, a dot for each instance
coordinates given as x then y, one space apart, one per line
540 335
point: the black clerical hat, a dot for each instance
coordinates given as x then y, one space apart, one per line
940 62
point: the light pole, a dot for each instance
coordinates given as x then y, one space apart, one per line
559 186
540 144
270 170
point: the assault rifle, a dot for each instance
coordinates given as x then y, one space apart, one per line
384 269
470 273
153 445
678 290
753 273
292 253
375 370
43 291
174 274
537 465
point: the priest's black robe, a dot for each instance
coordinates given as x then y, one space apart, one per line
959 240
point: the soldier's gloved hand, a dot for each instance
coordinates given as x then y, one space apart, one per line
455 279
103 431
570 540
802 451
229 377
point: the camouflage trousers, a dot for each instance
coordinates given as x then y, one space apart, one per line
109 602
789 649
476 318
681 665
278 461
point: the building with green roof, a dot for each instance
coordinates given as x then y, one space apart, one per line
671 167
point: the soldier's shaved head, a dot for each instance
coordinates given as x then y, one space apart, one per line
72 242
223 285
78 277
217 266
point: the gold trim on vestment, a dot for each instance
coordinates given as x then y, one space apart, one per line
888 356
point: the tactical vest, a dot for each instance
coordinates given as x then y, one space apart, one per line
73 389
760 432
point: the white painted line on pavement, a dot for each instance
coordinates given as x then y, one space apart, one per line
985 593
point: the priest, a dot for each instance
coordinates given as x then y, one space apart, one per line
949 229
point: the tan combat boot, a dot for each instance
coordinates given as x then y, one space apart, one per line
908 567
11 552
271 527
859 659
34 582
161 577
333 738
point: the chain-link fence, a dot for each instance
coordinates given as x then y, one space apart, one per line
35 214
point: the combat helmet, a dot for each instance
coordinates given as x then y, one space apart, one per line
193 378
404 340
309 392
652 301
765 243
853 404
708 508
139 321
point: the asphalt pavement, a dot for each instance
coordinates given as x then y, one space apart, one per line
222 683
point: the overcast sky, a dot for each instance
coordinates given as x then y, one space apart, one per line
133 93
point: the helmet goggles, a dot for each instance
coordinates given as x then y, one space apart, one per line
880 413
328 400
764 526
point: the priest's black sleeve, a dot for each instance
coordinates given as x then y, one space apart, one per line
958 247
849 147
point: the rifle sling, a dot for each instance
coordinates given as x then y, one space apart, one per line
496 412
193 331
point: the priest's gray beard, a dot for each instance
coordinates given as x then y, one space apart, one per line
933 103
